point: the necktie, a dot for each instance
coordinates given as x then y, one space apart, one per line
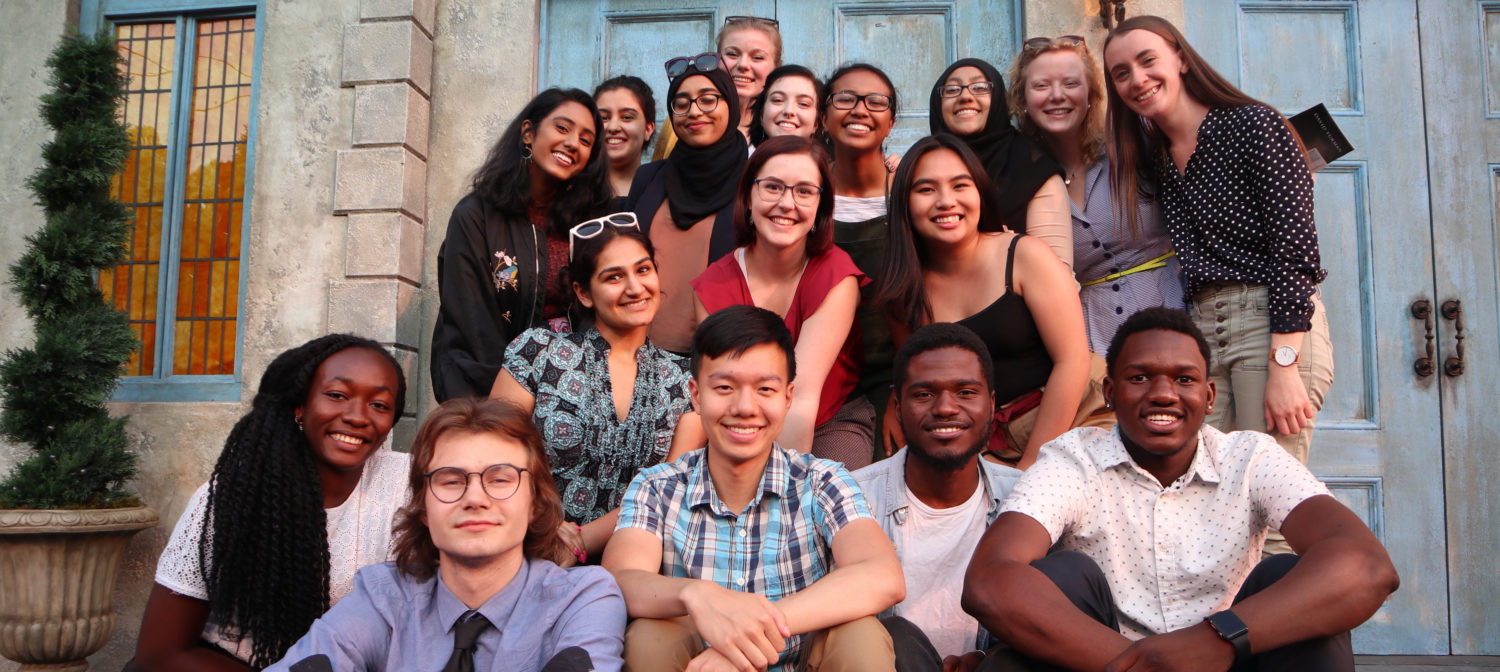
465 634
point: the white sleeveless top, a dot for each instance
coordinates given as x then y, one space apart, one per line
359 534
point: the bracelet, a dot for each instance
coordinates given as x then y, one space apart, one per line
581 552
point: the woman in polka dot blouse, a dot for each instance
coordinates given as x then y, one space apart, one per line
1238 200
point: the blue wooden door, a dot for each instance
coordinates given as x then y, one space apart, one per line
1379 443
587 41
1461 85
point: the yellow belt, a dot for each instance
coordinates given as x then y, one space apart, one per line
1159 262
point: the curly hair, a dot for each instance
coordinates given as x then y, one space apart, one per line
1093 75
416 556
265 553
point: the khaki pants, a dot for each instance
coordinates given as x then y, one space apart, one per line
1092 412
1236 320
861 645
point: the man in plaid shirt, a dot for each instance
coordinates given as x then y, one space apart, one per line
745 555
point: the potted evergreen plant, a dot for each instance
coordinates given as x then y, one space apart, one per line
65 515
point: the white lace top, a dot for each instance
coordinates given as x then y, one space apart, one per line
359 534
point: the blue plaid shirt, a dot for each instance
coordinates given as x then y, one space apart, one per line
778 545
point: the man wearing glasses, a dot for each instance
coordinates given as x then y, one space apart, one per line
746 555
473 586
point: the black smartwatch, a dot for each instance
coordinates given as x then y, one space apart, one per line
1231 629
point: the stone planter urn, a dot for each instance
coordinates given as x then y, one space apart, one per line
57 581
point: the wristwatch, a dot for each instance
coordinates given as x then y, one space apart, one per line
1233 630
1285 355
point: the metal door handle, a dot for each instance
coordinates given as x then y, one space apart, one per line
1453 367
1422 310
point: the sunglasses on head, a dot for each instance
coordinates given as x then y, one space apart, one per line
1039 43
594 227
731 19
704 62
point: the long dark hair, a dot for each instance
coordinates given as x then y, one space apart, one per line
416 556
1136 144
264 552
901 282
758 106
585 261
821 236
504 180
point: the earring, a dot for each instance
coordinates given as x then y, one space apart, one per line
1109 405
525 152
298 418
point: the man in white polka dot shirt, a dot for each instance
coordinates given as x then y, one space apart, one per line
1159 526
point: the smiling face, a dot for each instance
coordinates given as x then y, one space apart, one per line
749 55
349 409
1146 71
1160 390
945 407
858 128
944 201
624 291
477 531
966 113
785 223
625 126
698 128
791 108
1057 92
561 144
743 401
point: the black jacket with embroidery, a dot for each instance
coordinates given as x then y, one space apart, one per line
490 288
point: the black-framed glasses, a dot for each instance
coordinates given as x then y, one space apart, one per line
846 100
708 60
771 190
708 102
1039 43
981 88
499 481
752 19
594 227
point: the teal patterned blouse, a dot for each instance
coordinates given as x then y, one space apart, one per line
594 455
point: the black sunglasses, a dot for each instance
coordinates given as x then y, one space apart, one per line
704 62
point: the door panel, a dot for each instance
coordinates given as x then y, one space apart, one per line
1377 445
1461 77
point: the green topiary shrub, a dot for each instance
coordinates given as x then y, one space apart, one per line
54 391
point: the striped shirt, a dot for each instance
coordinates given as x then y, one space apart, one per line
778 545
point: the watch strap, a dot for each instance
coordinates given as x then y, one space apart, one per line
1233 630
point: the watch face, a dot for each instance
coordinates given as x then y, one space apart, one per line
1286 355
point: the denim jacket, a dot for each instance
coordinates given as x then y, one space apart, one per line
883 484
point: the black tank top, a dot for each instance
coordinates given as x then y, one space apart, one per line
1021 360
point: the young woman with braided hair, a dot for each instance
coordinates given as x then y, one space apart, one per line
300 498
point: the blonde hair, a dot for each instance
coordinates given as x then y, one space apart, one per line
1094 133
751 23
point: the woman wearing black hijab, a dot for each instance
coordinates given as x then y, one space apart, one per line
685 202
968 101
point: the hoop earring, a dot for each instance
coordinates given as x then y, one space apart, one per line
525 152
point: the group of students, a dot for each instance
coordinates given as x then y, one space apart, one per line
686 360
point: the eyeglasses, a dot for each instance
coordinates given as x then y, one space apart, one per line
449 484
1040 43
846 100
707 102
594 227
731 19
976 88
708 60
771 190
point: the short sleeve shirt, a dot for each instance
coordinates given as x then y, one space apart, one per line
778 545
1173 555
593 454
